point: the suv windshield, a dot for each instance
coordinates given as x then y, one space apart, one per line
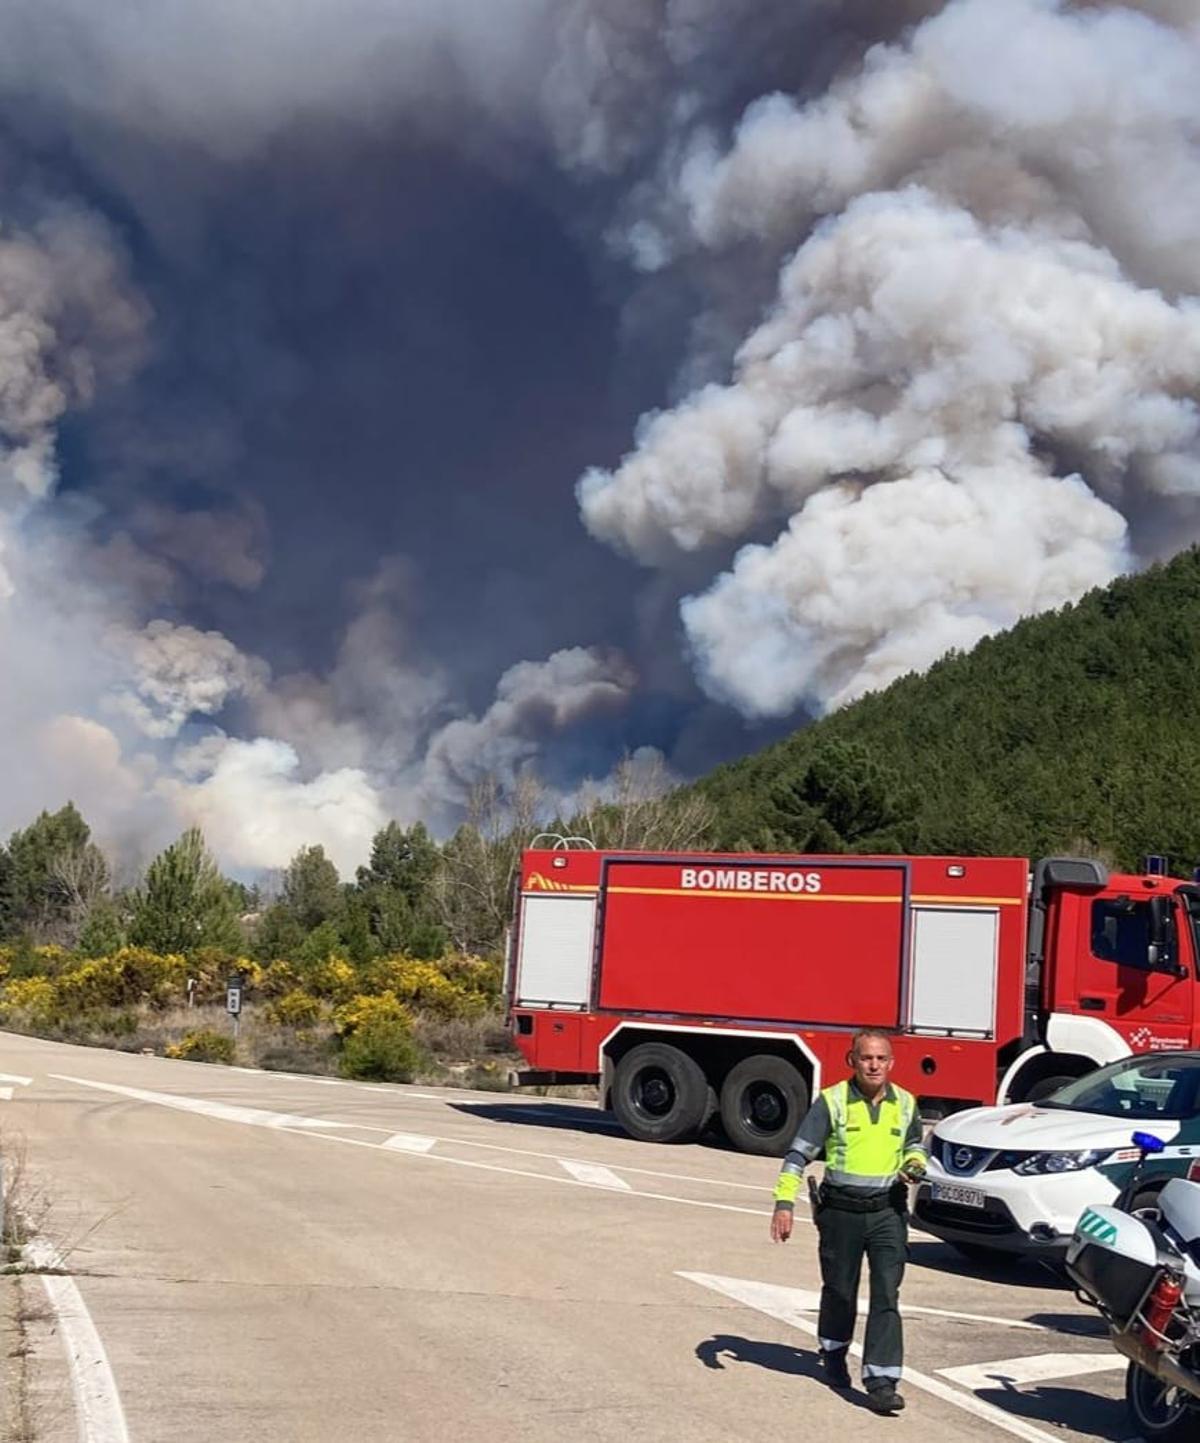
1138 1088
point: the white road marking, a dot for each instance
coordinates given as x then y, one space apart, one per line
222 1111
765 1298
375 1087
691 1202
1015 1372
13 1077
409 1142
596 1173
6 1094
100 1416
807 1301
257 1117
762 1189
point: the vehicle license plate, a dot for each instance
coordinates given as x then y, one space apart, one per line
968 1197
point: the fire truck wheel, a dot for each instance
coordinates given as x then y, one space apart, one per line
1044 1086
762 1102
661 1094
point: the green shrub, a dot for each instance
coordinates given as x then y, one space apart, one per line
381 1051
204 1045
487 1077
122 1022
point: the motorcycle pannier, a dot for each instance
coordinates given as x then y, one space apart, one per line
1120 1283
1114 1258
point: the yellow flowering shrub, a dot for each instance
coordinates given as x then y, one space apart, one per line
426 988
277 979
52 960
35 995
98 983
203 1045
296 1008
334 978
365 1011
253 972
129 976
475 974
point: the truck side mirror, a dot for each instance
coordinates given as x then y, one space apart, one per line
1160 953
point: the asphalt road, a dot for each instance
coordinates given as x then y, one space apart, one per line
280 1259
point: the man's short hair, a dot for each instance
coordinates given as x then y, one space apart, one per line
864 1032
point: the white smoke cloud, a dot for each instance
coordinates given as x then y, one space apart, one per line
66 313
178 672
993 222
867 584
256 810
535 702
907 334
230 76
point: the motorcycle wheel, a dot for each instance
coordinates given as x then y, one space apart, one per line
1163 1414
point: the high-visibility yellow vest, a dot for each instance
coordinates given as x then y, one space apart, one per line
866 1152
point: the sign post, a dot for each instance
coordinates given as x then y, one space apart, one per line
233 999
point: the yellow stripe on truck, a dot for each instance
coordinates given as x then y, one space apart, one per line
751 896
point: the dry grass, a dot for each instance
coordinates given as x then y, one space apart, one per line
26 1204
472 1051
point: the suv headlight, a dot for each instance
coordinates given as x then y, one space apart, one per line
1042 1163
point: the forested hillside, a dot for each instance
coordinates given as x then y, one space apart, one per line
1078 730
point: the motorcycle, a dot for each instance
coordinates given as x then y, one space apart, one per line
1140 1266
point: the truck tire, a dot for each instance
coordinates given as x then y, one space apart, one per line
660 1094
1044 1086
762 1102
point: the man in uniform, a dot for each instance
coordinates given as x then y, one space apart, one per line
870 1133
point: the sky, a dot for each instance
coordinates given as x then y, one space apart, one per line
397 393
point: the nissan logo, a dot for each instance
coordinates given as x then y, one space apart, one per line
962 1158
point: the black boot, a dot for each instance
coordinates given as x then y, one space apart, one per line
884 1399
837 1374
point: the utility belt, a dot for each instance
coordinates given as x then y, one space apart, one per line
851 1200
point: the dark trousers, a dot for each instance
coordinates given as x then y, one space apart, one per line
845 1238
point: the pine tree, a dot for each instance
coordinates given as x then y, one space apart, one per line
397 887
184 902
53 875
312 890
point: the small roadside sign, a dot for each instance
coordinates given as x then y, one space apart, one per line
233 996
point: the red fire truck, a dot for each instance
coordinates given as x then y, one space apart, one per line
687 984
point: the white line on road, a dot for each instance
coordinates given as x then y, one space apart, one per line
764 1298
97 1402
409 1142
380 1087
12 1077
1015 1372
399 1089
223 1111
806 1301
257 1117
762 1189
594 1172
6 1094
691 1202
